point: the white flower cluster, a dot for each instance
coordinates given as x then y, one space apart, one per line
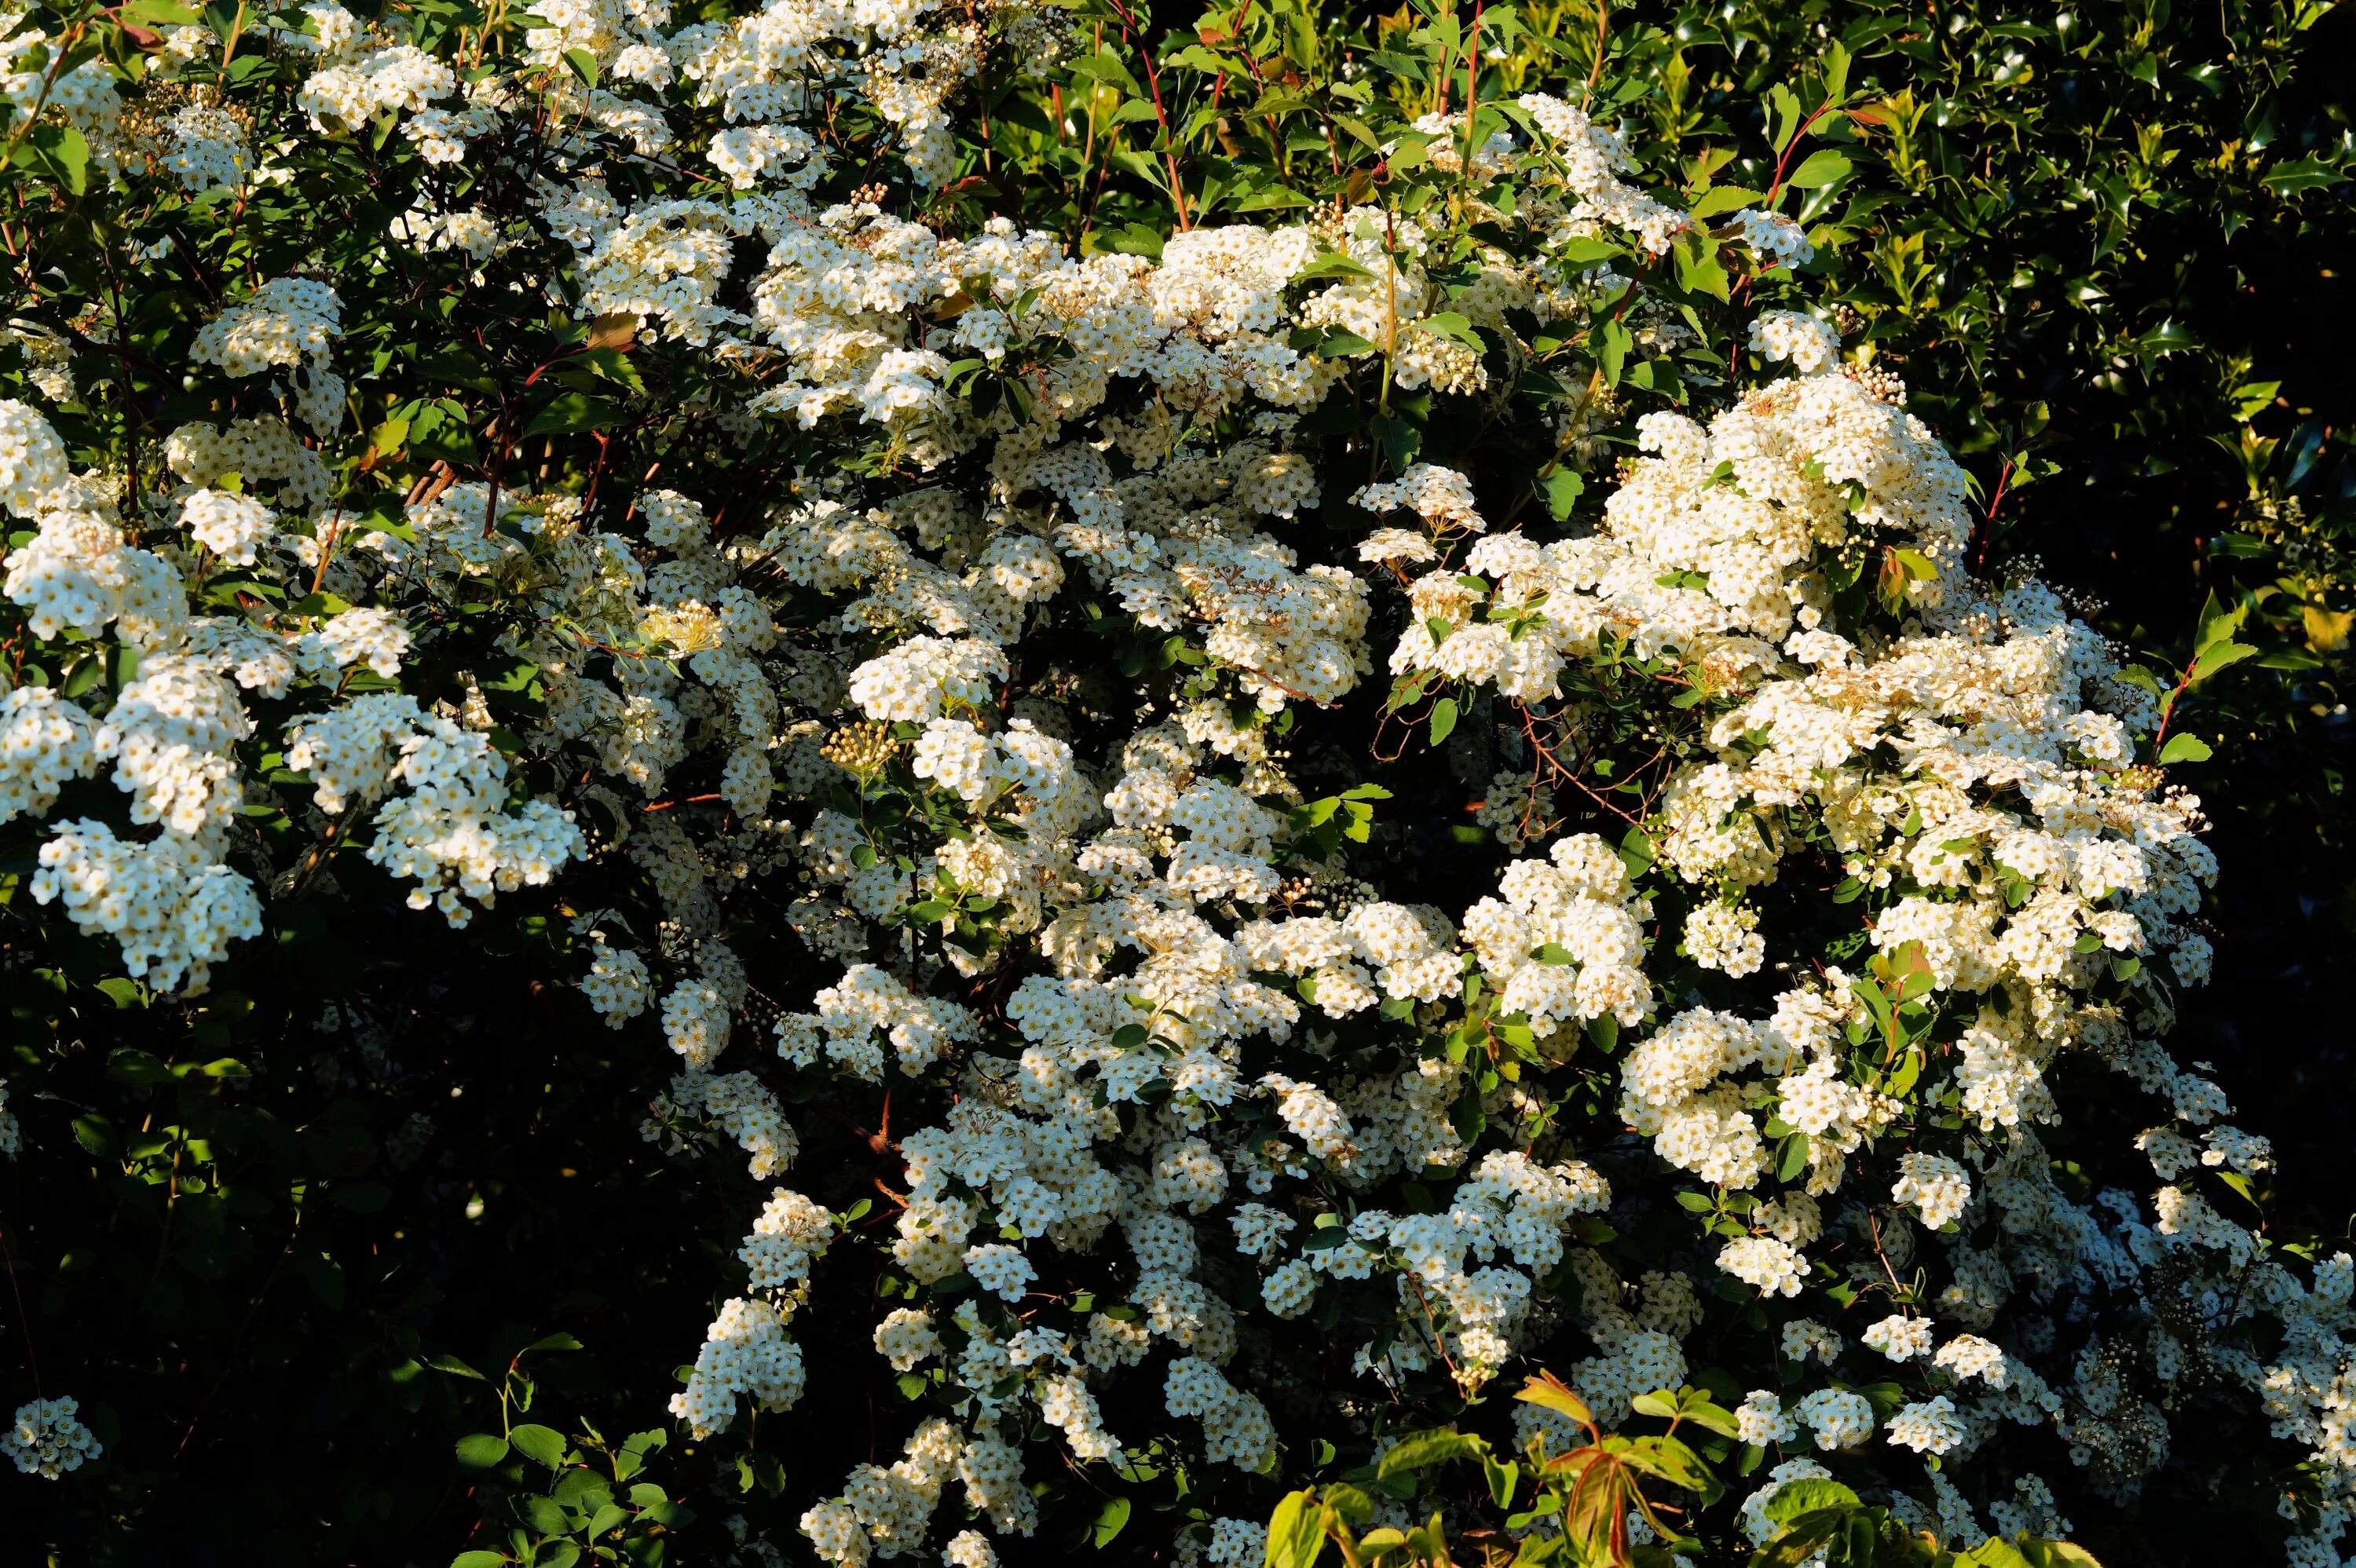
49 1438
285 324
747 1352
359 79
1567 943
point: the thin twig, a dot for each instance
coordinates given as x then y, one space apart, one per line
23 1317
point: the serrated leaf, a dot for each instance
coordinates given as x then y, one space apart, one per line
1553 1393
2301 174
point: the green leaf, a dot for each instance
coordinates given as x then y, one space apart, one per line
2218 656
58 152
1726 198
479 1558
1784 112
1443 718
2184 748
1611 349
1106 67
1332 264
2218 623
1696 1406
583 65
1296 1532
2168 338
132 1066
1504 1475
2254 398
1808 1495
1426 1448
1563 490
1670 1459
1450 325
1552 1392
572 412
1587 252
1109 1521
2301 174
1273 198
541 1444
1837 63
631 1457
542 1514
1135 239
1821 167
1699 269
1662 1404
757 1471
1798 1544
454 1365
480 1450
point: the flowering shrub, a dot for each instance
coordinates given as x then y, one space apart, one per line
1258 730
2097 367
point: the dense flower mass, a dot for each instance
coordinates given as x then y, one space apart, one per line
49 1438
1691 947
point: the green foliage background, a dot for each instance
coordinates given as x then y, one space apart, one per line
2104 245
